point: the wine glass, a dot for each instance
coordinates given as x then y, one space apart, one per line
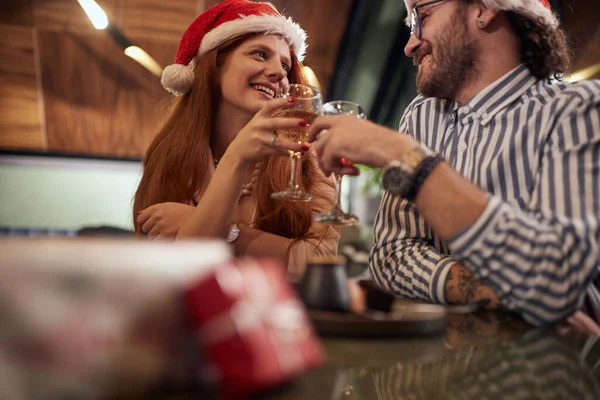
307 106
336 216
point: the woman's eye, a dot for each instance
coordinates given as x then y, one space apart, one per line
286 67
261 54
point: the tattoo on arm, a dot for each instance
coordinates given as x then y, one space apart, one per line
467 285
463 288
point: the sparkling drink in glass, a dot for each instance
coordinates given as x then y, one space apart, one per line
337 216
307 105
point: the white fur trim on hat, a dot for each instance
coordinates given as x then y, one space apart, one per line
178 79
532 9
267 24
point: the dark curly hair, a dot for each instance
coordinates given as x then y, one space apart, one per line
544 49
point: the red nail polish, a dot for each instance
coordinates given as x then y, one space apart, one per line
291 99
346 163
302 123
305 147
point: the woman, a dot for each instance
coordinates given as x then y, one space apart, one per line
212 167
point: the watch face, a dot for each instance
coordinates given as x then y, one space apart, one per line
397 181
399 176
234 232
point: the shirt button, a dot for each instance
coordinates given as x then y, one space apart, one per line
484 115
462 146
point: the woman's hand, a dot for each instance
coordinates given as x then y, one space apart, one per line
162 221
258 139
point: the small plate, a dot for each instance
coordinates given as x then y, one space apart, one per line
463 308
413 320
378 299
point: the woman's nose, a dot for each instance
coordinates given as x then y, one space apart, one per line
276 71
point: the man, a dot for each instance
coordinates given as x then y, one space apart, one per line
493 185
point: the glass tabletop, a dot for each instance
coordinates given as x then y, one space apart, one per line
484 355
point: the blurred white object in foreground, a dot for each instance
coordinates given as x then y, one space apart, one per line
85 318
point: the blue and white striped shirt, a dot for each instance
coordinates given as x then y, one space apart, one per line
535 148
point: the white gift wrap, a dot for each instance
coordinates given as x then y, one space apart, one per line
86 318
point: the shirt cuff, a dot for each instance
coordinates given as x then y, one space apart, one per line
472 237
437 287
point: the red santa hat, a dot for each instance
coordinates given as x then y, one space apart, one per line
220 23
532 9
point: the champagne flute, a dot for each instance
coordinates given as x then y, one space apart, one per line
337 216
307 105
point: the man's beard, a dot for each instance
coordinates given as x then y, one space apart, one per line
453 65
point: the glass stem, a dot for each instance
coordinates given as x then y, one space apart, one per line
293 184
338 192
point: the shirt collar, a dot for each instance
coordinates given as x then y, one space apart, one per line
499 95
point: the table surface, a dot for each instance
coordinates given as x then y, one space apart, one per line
480 356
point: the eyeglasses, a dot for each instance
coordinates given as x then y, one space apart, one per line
416 24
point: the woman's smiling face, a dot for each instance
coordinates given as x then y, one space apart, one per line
254 72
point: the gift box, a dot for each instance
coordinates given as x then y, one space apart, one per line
253 327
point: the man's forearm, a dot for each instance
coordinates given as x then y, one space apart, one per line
449 202
463 288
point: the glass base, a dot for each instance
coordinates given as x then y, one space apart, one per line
292 195
336 217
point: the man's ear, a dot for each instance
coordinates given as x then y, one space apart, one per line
483 16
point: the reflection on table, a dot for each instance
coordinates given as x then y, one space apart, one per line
482 356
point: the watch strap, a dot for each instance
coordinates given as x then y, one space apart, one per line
425 168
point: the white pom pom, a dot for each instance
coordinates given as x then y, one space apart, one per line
178 79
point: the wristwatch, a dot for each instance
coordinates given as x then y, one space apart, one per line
234 233
404 177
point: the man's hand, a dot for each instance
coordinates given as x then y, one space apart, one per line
359 141
162 221
580 323
463 288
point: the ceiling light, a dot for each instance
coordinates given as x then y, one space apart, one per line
585 73
145 59
95 13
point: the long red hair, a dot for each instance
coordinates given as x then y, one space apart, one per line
175 165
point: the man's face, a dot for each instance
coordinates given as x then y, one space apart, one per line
447 55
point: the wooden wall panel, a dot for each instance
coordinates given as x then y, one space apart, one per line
581 22
324 22
16 12
98 100
590 55
206 4
20 125
67 15
158 20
